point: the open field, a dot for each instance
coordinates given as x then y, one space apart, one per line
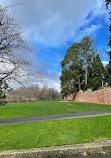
29 109
52 133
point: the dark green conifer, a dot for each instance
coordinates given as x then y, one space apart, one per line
96 74
108 2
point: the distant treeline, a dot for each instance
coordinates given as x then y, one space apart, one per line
32 93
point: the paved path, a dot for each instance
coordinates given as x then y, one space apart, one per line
54 117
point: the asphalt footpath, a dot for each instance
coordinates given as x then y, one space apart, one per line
54 117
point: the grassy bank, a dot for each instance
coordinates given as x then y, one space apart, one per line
52 133
16 110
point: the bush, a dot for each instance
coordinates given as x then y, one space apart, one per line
2 102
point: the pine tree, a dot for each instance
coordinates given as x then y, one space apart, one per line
108 2
96 74
75 66
87 53
72 70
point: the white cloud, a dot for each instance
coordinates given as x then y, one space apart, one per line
89 30
47 80
100 9
105 62
49 76
51 83
53 22
92 29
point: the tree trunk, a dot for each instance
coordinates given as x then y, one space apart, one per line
110 59
110 64
110 56
86 76
109 78
79 84
102 83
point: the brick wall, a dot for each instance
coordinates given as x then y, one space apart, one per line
69 98
100 96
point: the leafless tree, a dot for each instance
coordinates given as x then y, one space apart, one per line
16 95
32 93
13 49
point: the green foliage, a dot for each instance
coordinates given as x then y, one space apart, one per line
109 44
108 75
3 88
96 74
73 54
87 49
82 68
72 70
88 53
75 66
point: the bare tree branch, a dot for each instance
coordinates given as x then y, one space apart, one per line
13 49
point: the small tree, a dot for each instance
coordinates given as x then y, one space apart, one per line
3 88
32 93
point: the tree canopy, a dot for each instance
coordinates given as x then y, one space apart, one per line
96 74
108 2
82 68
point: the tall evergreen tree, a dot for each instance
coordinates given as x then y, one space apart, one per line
72 70
96 74
108 2
87 53
76 66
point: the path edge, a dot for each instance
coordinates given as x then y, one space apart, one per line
101 148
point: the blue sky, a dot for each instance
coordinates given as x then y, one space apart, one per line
52 26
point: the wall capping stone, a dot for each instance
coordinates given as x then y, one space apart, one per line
66 151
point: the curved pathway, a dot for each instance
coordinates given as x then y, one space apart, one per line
54 117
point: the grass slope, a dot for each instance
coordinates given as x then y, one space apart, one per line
16 110
52 133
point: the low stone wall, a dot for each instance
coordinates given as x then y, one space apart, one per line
102 96
68 151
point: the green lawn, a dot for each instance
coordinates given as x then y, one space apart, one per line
16 110
52 133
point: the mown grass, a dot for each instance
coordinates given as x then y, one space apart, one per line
16 110
53 133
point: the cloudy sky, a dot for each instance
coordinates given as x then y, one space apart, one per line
54 25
